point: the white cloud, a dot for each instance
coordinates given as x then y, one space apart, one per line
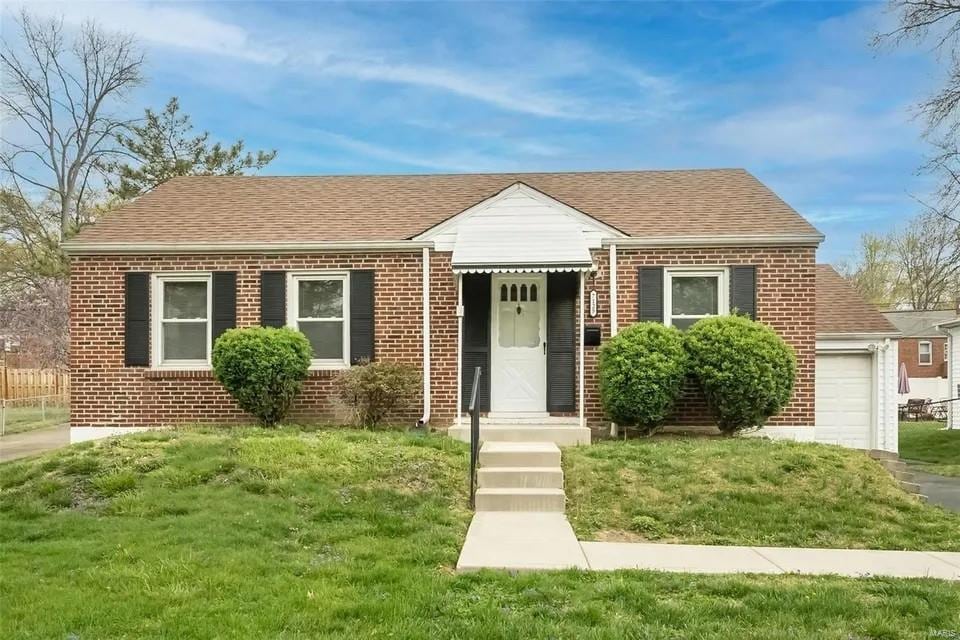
814 131
342 50
173 25
465 162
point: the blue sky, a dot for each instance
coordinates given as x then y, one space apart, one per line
790 91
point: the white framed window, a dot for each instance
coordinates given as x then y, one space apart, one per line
925 352
692 293
181 319
318 305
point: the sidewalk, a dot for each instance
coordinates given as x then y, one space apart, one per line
28 443
541 541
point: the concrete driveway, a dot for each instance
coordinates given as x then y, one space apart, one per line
21 445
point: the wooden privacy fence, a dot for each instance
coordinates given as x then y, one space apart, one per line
33 383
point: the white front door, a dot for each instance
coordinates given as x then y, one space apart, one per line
519 358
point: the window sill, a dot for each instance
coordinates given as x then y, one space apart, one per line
171 374
159 374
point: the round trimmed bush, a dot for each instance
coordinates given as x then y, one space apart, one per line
745 369
642 370
263 368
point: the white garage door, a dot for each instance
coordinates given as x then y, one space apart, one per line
844 399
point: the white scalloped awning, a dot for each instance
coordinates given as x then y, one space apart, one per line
534 238
523 269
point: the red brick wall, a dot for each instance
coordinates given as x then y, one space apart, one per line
910 354
785 301
106 393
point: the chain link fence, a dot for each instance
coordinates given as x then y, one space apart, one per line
26 414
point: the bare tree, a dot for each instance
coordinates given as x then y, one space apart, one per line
40 318
927 255
61 96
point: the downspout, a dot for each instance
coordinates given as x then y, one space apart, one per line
614 327
459 348
580 359
613 291
426 339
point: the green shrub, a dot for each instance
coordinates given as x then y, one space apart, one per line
263 368
745 369
642 370
375 389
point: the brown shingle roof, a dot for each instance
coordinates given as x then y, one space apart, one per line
200 209
840 309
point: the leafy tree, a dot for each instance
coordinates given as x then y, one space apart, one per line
874 272
164 147
928 257
918 266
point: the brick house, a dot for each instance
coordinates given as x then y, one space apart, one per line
923 351
520 274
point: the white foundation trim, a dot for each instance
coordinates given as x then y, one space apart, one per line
82 434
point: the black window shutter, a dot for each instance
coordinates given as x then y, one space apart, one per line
743 290
224 302
650 294
361 316
561 341
136 320
476 338
273 298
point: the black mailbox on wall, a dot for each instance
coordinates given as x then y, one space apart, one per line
591 335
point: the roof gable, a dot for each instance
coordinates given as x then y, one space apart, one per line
524 209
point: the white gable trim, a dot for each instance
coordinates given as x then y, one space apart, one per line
444 234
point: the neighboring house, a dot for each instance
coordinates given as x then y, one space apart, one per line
519 274
952 329
923 349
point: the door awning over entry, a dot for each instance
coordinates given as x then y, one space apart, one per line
495 245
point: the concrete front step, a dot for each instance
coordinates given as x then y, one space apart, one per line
519 454
537 500
563 435
520 477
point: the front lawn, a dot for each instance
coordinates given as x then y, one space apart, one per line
937 449
340 534
746 491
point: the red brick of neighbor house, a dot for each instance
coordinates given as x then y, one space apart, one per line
910 355
106 393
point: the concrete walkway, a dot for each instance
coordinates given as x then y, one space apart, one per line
540 541
28 443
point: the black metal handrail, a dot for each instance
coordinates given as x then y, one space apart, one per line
474 436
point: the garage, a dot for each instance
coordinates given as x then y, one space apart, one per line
856 369
845 399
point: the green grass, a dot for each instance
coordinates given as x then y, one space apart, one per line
340 534
937 449
746 491
20 419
